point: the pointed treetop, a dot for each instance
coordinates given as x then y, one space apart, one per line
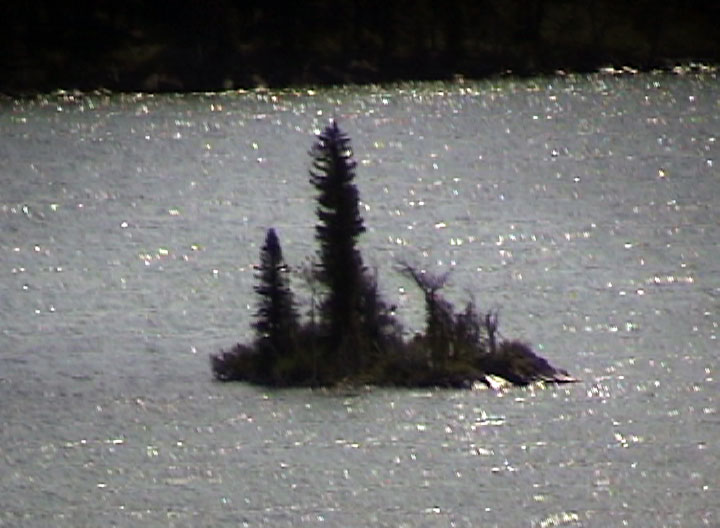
332 131
333 144
272 243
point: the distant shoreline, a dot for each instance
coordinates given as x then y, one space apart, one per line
214 46
678 68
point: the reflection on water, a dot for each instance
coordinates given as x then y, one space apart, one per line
581 207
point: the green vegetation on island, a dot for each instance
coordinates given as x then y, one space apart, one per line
351 335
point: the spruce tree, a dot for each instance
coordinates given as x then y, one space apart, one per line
276 317
340 270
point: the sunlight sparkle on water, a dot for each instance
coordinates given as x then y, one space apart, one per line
80 227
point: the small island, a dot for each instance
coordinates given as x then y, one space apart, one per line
350 334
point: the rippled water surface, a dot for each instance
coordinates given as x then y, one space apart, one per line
585 209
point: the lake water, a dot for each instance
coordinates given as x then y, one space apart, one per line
585 209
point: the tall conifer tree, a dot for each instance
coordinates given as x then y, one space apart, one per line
341 268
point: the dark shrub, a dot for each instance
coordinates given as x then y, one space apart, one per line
236 364
516 362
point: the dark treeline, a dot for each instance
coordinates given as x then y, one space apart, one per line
216 44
